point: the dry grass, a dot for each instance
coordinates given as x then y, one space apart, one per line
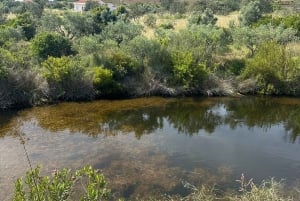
11 16
224 20
182 23
178 24
294 48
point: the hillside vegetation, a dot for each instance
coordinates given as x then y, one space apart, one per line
50 53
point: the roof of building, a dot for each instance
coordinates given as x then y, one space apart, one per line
84 1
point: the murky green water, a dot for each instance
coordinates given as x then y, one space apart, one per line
155 145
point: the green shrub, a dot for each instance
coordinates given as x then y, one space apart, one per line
67 80
271 66
185 71
60 186
168 25
60 69
235 66
104 83
121 64
51 44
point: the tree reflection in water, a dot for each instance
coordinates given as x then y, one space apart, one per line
144 116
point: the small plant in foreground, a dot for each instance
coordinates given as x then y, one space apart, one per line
60 186
269 190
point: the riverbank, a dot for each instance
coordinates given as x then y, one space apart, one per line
212 87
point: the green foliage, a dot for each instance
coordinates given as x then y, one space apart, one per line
59 69
235 66
67 80
60 185
51 22
121 31
204 41
139 9
10 35
271 66
167 25
17 57
287 22
149 54
102 16
7 60
51 44
265 6
89 47
250 13
80 24
185 71
205 17
27 23
121 64
253 37
104 83
219 6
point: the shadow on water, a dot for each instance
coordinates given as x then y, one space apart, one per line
7 121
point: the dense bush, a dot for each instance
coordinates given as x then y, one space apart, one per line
104 83
26 22
51 44
272 65
290 21
22 88
186 72
67 80
206 17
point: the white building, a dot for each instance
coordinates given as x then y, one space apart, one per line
80 5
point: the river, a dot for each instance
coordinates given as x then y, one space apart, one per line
153 146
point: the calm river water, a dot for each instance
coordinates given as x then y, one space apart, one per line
155 145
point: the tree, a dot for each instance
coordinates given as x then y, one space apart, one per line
139 9
79 24
51 22
206 17
203 41
36 7
250 13
253 37
51 44
264 5
121 32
